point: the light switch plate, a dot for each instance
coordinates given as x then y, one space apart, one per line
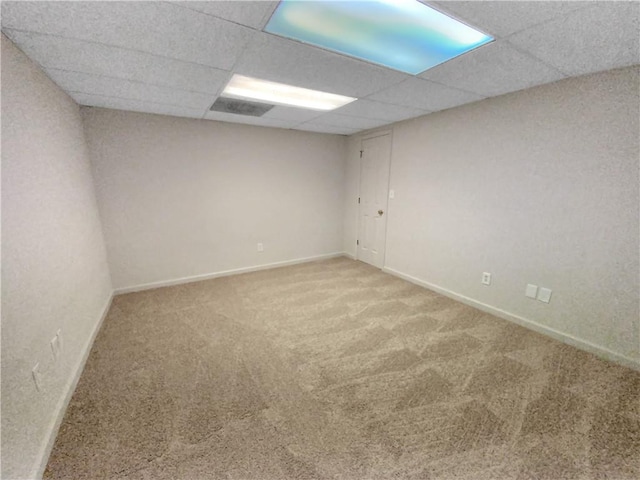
531 291
544 295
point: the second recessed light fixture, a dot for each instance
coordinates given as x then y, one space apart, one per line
248 88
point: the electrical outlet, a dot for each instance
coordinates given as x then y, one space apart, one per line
544 295
260 247
486 278
37 376
531 291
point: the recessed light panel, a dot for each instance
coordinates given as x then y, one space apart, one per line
405 35
248 88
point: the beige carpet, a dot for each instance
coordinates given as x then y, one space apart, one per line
336 370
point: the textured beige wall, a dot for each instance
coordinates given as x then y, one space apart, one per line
54 269
539 186
181 198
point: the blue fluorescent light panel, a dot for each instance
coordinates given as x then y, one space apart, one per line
405 35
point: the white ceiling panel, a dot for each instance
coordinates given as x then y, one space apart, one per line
601 37
254 14
493 69
99 59
383 111
248 120
74 82
503 18
424 94
273 58
135 106
292 114
358 123
155 27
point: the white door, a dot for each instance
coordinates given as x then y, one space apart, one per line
374 189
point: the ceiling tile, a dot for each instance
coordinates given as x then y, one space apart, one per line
601 37
492 70
425 95
248 120
503 18
358 123
135 106
292 114
273 58
99 59
73 82
384 111
254 14
155 27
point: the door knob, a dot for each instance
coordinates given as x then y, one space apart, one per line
380 212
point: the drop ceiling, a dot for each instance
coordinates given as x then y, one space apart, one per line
174 58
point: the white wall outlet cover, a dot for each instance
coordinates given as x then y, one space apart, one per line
531 291
392 194
544 295
486 278
260 247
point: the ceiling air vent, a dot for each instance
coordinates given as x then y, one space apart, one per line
240 107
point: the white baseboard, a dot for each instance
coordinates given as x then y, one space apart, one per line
225 273
349 255
70 387
530 324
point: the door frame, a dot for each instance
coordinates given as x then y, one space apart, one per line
369 136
